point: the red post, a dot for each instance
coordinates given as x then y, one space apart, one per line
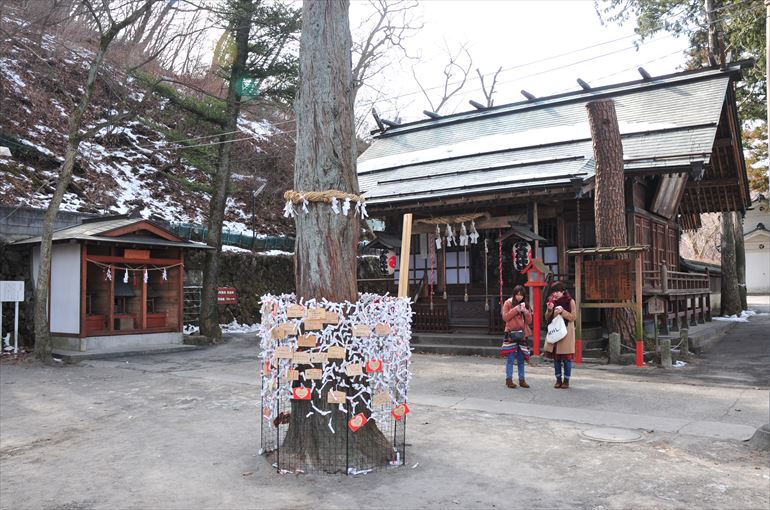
578 351
536 311
639 353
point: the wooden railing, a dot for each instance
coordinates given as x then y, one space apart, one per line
672 283
426 319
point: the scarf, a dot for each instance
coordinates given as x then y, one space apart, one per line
564 301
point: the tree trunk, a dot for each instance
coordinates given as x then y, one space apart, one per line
731 299
609 202
740 259
325 252
42 332
209 318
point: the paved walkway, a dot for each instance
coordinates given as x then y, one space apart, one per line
181 430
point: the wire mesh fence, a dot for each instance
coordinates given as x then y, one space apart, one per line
334 389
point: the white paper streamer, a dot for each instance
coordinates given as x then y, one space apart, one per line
288 210
438 238
335 205
393 349
346 206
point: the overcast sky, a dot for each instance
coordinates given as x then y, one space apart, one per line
514 34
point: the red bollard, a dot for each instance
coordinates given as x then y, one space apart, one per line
639 353
578 351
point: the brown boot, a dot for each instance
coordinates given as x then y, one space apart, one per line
565 384
510 383
558 383
523 383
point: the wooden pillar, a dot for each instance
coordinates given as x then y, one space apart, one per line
693 305
638 306
664 324
675 320
180 290
111 302
83 286
561 242
701 306
143 303
708 307
686 318
406 241
578 314
535 228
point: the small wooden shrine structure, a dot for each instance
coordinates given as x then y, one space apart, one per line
115 282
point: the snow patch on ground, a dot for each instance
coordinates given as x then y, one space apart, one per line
233 327
276 253
744 317
5 68
234 249
258 129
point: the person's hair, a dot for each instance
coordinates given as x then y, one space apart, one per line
557 287
519 289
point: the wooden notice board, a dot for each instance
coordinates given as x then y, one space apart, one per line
608 279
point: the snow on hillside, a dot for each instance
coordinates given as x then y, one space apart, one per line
129 166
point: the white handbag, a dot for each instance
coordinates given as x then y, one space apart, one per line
557 330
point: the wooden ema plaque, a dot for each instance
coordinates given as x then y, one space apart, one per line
357 421
301 358
316 314
354 369
608 280
306 341
289 328
313 373
361 330
400 411
336 397
332 318
300 393
319 357
336 352
283 352
295 311
374 365
292 375
381 398
278 333
381 329
313 324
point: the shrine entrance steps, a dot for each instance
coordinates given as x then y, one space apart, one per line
478 342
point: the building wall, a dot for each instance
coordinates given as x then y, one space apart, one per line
758 263
65 286
20 223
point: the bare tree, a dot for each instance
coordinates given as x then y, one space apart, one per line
488 94
108 29
241 26
378 35
455 75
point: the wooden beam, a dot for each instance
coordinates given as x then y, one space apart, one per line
535 227
406 241
83 284
111 259
561 243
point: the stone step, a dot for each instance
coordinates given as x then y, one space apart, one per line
120 352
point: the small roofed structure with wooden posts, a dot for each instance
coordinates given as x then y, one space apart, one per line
524 172
116 282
